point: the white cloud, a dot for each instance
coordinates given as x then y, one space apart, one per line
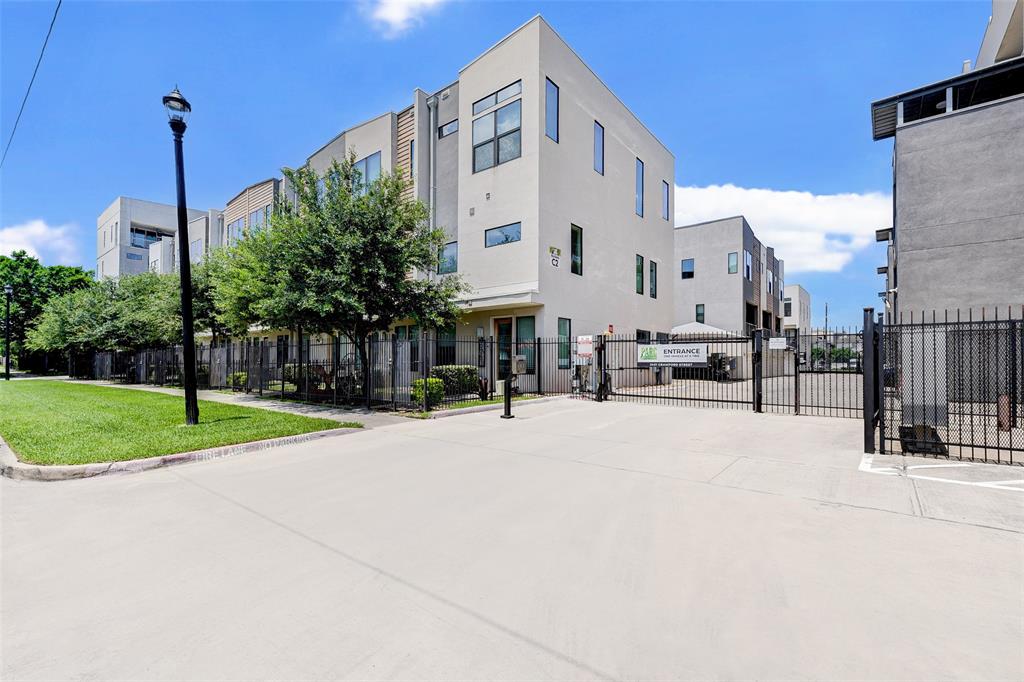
810 232
395 17
52 244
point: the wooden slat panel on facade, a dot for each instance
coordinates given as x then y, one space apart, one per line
406 134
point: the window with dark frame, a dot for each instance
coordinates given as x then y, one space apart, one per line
551 109
497 137
654 279
700 313
564 343
526 341
639 274
497 97
506 234
598 147
448 128
734 263
686 267
664 199
748 271
576 250
640 188
788 307
449 260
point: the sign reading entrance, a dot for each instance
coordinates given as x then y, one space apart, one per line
692 354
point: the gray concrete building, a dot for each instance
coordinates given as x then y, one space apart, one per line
957 239
796 311
726 277
127 228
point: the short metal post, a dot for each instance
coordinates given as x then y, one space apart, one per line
538 366
796 380
599 349
758 371
508 395
423 369
868 396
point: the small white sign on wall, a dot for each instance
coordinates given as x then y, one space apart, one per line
777 343
556 254
585 346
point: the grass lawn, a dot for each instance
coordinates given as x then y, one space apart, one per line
55 422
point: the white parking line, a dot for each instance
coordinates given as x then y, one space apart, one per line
867 466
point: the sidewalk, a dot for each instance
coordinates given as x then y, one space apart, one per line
369 418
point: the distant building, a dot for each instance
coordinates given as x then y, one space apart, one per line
725 277
957 240
126 229
796 311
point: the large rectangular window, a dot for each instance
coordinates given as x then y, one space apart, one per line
639 274
687 268
748 270
734 263
143 238
368 172
788 307
654 279
664 199
564 343
599 147
256 219
449 261
506 234
700 313
551 109
497 137
507 92
640 188
576 250
526 341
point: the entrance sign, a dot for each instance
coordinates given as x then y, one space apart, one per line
692 354
777 343
585 346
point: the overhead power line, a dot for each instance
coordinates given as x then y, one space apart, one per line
33 80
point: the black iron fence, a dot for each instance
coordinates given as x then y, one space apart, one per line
425 372
949 388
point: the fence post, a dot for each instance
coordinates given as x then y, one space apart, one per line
394 371
538 366
869 393
369 369
423 370
599 348
1013 388
758 370
491 359
796 378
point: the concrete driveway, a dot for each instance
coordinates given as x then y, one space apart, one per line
578 541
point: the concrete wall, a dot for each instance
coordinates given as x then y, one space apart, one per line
115 255
960 210
722 294
447 166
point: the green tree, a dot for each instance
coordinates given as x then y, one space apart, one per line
34 284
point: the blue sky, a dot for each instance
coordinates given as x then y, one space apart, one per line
765 105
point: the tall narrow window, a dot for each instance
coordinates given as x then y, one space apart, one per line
640 188
687 268
788 307
412 157
526 341
576 250
449 260
551 110
734 263
700 313
748 271
564 343
654 279
599 147
639 274
664 200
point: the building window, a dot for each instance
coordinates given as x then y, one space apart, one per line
141 238
506 234
787 305
599 147
687 268
369 172
551 109
508 92
564 343
445 346
664 200
496 137
643 336
412 158
235 229
640 188
654 279
771 281
576 250
748 271
134 256
448 128
526 341
734 263
256 219
639 274
700 313
449 261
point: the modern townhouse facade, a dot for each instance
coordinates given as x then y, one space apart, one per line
796 311
957 239
724 276
127 228
555 199
250 209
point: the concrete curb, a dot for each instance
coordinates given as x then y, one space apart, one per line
441 414
12 467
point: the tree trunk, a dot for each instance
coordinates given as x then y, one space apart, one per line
364 361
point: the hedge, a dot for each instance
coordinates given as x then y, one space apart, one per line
435 392
458 379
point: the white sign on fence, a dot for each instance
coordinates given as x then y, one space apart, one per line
673 353
585 346
777 343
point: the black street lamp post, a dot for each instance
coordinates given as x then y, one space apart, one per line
178 110
8 293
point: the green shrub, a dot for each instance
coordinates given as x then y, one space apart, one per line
238 379
458 379
435 392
